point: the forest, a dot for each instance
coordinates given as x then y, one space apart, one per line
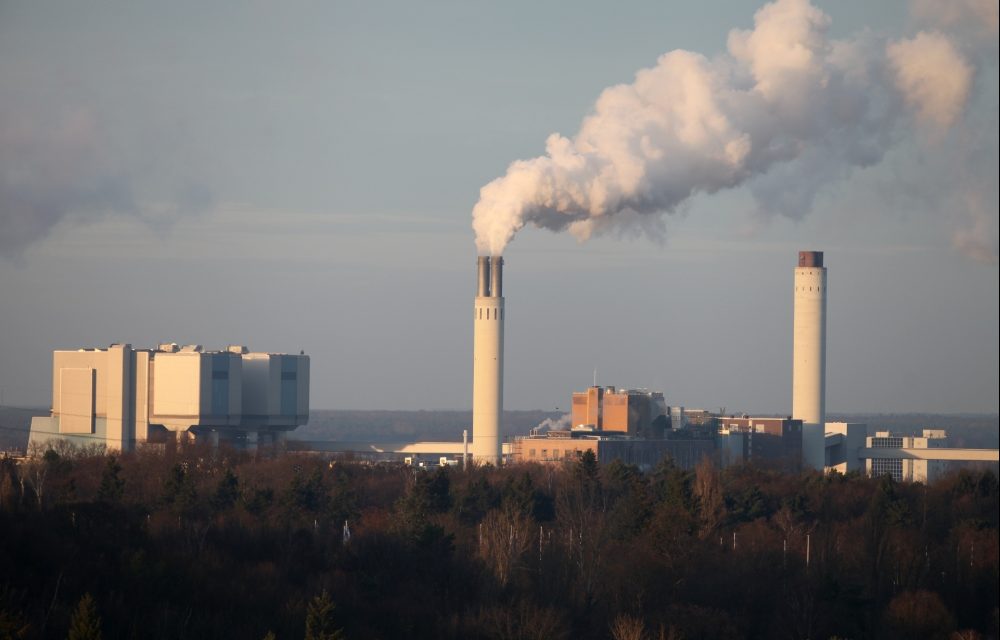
186 542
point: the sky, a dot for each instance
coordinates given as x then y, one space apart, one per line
302 175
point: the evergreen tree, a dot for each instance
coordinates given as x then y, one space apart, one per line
112 484
227 491
319 619
178 489
12 627
85 623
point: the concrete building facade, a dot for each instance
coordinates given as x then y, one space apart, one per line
120 396
905 469
763 441
842 446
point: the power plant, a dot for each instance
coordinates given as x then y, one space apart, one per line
487 362
809 356
122 397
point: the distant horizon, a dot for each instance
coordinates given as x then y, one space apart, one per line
755 413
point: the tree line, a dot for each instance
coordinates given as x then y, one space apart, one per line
190 543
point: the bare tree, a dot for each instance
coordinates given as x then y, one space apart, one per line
628 627
708 490
506 537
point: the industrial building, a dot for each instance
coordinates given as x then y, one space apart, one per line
906 470
842 443
120 396
615 424
632 412
921 458
762 441
560 446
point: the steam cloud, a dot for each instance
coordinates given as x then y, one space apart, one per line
56 167
786 110
562 423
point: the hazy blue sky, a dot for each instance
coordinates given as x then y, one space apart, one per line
301 176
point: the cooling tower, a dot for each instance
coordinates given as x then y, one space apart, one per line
487 362
809 356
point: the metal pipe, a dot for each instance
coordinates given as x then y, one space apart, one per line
496 277
483 288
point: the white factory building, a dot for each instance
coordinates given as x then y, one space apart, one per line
909 469
120 396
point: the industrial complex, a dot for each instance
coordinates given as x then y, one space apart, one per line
119 396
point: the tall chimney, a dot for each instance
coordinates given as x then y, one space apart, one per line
809 356
487 362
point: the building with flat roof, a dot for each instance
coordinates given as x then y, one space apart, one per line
763 441
556 447
633 412
615 424
842 445
120 396
902 469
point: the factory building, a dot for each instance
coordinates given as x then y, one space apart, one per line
905 470
636 413
843 442
556 447
615 424
120 396
762 441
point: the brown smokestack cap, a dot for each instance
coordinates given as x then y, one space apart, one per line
810 258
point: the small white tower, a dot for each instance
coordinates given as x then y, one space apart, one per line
809 356
487 362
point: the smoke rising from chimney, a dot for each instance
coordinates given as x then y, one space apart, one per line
784 111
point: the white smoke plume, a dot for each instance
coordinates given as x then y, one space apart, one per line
562 423
59 166
785 111
932 75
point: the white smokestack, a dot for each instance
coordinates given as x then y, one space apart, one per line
809 356
487 362
785 110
